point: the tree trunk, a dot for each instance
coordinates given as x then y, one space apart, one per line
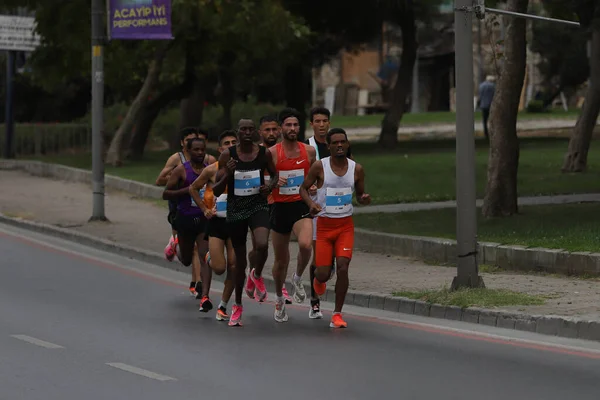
149 113
297 91
389 126
503 161
115 152
581 138
191 107
226 89
143 125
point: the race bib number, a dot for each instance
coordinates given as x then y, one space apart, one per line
222 206
295 179
246 183
201 192
338 200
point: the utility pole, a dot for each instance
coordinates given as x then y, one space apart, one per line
466 207
97 112
9 109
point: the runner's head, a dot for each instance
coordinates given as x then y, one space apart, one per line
197 149
187 134
337 141
227 139
203 134
289 119
319 122
246 130
269 130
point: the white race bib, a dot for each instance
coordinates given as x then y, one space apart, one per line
338 200
295 178
222 206
201 191
246 183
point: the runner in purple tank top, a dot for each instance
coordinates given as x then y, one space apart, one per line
190 221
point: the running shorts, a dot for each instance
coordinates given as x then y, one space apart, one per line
285 215
335 237
217 227
190 227
238 230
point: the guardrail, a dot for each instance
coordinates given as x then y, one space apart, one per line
42 139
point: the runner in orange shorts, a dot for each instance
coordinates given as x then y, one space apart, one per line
337 178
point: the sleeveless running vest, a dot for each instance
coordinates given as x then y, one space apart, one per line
244 198
220 201
295 170
267 181
335 196
185 204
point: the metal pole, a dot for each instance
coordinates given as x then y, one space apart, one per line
479 53
9 119
97 111
530 16
466 208
415 88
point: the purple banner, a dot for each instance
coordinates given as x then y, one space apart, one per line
139 19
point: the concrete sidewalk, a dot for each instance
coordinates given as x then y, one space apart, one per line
142 224
436 130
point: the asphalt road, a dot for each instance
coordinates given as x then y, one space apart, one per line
77 323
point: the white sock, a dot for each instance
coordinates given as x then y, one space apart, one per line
223 304
280 299
297 278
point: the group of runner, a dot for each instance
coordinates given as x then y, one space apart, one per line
271 185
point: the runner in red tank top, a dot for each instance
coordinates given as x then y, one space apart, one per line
292 161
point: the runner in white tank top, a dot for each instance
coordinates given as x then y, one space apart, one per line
337 178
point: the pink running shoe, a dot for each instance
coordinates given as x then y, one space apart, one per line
170 249
236 315
260 292
286 296
250 287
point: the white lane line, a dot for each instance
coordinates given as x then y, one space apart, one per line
142 372
37 342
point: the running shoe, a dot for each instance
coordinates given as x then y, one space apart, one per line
337 321
280 313
299 293
198 290
192 289
315 310
250 287
170 248
222 314
320 288
260 292
236 315
286 295
205 304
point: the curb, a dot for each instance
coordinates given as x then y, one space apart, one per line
432 250
70 174
508 257
544 324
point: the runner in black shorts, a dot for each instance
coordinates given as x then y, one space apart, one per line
244 166
190 221
217 233
290 213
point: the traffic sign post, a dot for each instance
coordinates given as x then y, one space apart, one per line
16 34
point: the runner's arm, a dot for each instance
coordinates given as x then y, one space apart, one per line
272 171
312 154
359 185
198 184
171 192
171 164
221 184
314 174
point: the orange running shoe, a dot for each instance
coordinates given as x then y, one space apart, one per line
337 321
320 288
